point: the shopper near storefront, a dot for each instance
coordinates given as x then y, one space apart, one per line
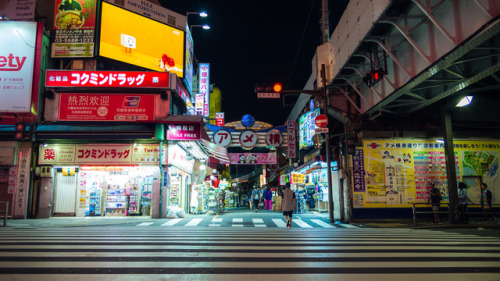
486 197
194 201
435 200
268 199
288 204
256 194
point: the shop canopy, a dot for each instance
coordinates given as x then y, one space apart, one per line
197 146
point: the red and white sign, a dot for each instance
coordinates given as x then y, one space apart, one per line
105 154
205 86
292 148
184 132
178 157
219 119
107 79
321 121
222 137
248 139
252 158
106 107
274 138
17 61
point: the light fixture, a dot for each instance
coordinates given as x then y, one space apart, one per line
202 14
44 145
464 101
3 17
205 26
202 167
439 141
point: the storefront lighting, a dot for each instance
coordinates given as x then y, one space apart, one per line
44 145
440 141
202 167
464 101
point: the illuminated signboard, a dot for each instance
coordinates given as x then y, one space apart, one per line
131 38
17 60
106 79
205 86
106 107
74 27
188 68
306 128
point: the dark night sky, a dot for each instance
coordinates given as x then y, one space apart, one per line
257 41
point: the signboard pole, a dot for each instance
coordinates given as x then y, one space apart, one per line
327 143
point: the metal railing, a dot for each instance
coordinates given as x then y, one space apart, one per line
477 210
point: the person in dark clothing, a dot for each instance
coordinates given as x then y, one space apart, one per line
256 194
435 200
462 202
486 197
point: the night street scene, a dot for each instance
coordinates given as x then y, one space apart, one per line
249 140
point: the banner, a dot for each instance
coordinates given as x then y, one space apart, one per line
396 173
107 79
252 158
106 107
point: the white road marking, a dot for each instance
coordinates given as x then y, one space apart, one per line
171 222
194 222
322 223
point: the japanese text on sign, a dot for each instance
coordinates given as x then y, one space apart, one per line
62 78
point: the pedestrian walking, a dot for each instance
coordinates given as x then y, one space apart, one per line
486 197
194 201
463 200
256 198
288 204
435 200
268 199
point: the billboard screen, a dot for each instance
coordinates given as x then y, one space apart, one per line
306 128
134 39
17 61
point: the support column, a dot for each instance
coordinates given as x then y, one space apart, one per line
327 143
451 173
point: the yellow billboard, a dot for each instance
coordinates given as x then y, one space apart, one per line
396 173
138 40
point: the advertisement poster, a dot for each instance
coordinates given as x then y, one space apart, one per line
74 28
306 128
106 107
16 10
398 172
188 68
17 59
23 179
127 37
252 158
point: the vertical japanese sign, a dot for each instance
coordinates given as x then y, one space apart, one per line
204 74
23 179
292 148
219 119
74 28
358 171
188 64
17 58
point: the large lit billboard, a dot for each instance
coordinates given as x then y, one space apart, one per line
131 38
306 128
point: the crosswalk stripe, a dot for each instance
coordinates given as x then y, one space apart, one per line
145 224
194 222
346 225
171 222
322 223
279 222
237 220
257 221
301 223
216 220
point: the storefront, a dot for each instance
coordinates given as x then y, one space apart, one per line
100 179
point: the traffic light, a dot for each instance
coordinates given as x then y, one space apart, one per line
351 146
20 131
268 88
372 77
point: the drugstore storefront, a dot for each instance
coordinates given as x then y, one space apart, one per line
100 179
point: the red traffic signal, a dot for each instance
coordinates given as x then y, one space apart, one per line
373 77
268 88
20 131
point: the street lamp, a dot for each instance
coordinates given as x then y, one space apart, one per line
201 14
204 26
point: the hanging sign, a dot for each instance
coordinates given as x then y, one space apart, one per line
252 158
292 148
274 138
106 79
184 132
219 119
222 137
248 139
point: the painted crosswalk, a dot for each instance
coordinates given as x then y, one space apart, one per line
245 222
130 253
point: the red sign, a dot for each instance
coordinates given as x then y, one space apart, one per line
292 148
106 107
219 119
222 137
107 79
274 138
184 132
321 121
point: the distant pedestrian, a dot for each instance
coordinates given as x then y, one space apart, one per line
256 198
194 201
486 197
435 200
463 200
268 199
288 204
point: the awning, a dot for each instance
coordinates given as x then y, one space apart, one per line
217 151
